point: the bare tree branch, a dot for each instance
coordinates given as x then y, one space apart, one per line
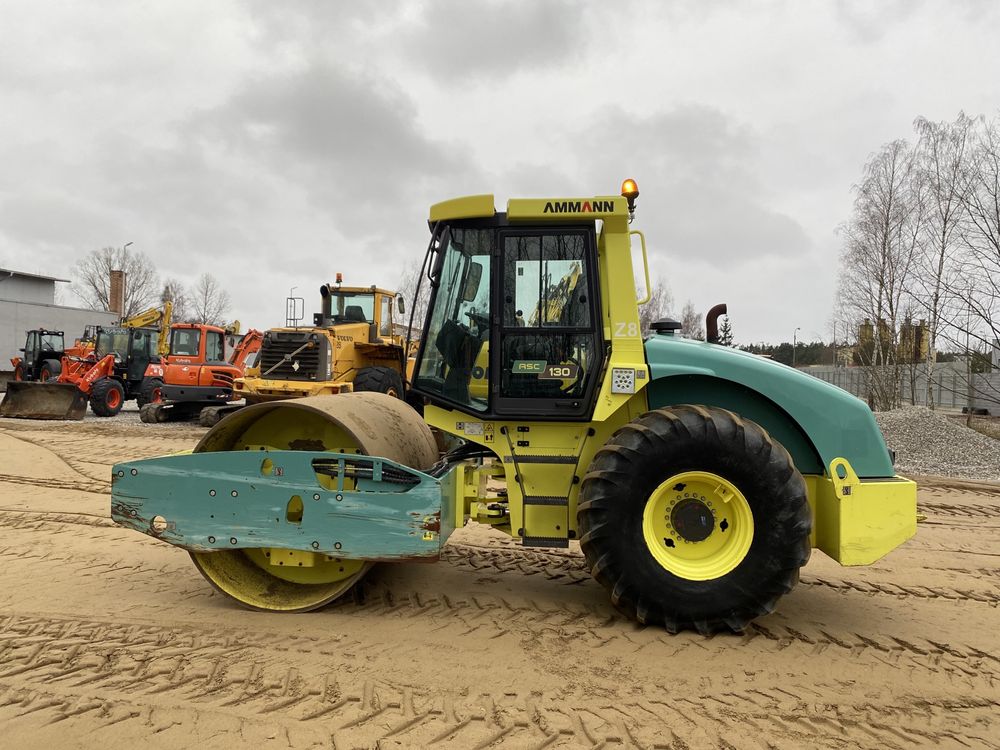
660 302
209 301
692 323
945 166
93 276
174 292
880 245
416 300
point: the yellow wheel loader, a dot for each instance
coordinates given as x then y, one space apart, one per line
352 346
696 478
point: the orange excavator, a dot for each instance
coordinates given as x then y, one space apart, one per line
195 374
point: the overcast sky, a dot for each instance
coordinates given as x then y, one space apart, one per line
274 144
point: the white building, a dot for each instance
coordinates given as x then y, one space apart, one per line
27 301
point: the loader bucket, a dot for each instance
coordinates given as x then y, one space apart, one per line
43 401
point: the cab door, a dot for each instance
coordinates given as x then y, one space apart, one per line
141 347
31 349
551 349
30 365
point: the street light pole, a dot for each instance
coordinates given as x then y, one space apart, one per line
795 343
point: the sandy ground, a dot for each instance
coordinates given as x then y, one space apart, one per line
109 639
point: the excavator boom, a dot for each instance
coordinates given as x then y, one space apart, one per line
154 316
249 345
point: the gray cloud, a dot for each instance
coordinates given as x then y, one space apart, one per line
459 39
324 120
274 143
697 171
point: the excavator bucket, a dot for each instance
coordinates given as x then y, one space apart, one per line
43 401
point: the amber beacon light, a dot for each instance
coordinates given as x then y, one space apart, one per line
630 191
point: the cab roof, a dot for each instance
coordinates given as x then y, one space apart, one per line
532 209
360 289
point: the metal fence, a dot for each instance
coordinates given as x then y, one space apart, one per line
951 384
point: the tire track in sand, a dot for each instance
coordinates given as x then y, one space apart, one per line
587 621
56 669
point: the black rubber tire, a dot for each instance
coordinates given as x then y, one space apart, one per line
147 391
209 416
152 414
100 394
50 370
379 380
645 453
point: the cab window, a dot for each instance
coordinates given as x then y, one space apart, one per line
348 307
52 342
215 347
184 342
455 352
385 317
115 343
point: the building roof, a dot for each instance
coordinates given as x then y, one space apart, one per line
8 273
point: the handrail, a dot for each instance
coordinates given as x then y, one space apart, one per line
645 264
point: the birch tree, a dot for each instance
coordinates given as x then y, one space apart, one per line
944 161
881 241
981 236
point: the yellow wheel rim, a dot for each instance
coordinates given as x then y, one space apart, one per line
698 525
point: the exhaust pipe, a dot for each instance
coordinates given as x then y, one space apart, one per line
712 323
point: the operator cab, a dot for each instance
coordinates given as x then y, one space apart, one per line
513 327
42 344
132 348
369 305
186 343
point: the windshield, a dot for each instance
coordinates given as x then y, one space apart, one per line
352 308
52 342
112 342
184 342
455 351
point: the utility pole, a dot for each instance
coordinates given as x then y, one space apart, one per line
968 360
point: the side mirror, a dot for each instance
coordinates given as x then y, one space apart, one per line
400 305
472 282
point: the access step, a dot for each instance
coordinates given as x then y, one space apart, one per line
545 541
551 500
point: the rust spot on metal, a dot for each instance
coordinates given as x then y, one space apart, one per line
406 558
303 444
432 523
